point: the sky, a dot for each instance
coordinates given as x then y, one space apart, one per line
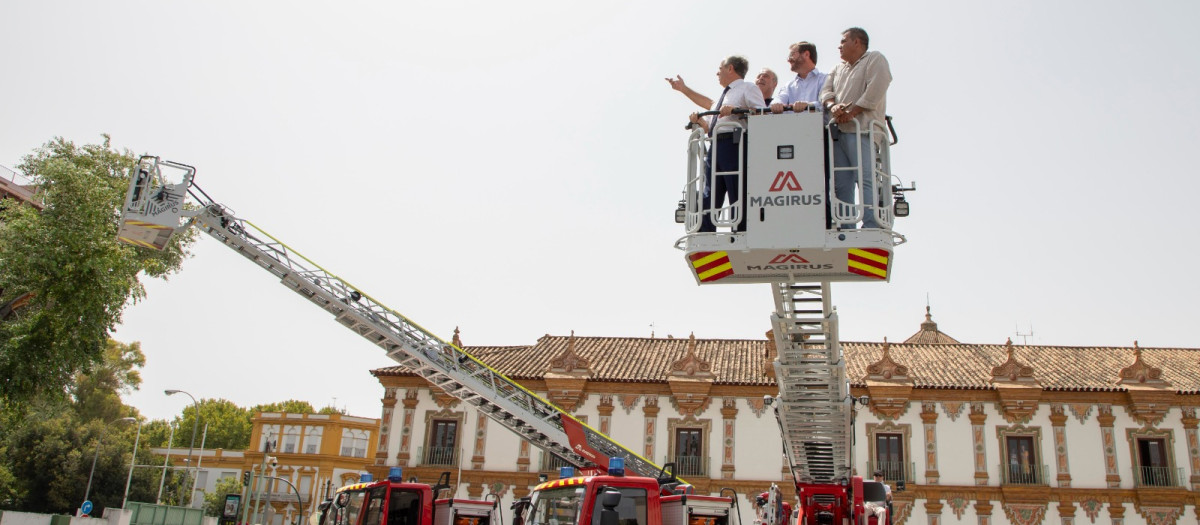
511 168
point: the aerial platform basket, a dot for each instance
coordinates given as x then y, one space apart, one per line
154 206
787 236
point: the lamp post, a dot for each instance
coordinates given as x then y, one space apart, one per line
195 425
132 462
100 440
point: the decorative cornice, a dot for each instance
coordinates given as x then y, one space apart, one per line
1025 514
443 400
1140 373
1013 371
886 369
691 365
570 362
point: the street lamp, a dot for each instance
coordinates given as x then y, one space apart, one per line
195 422
132 462
100 440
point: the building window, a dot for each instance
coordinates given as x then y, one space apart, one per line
889 451
442 444
270 438
688 447
354 442
291 439
312 440
889 456
1021 453
1153 462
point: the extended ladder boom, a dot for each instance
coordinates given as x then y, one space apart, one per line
814 404
149 213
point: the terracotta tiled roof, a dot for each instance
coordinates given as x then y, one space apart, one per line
934 365
627 359
929 334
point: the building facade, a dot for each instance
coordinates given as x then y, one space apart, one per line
315 453
974 434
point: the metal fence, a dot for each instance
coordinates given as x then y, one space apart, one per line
1011 474
439 456
893 471
1157 476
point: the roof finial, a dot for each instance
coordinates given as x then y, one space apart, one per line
1008 345
455 340
1137 352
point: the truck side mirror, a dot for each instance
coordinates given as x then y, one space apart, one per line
609 515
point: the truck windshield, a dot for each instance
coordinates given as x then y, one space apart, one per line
631 510
560 506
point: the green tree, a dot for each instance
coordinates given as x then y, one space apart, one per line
228 425
97 393
68 258
214 501
292 406
50 458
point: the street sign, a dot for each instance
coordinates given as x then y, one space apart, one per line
86 508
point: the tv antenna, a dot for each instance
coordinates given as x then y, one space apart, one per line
1024 337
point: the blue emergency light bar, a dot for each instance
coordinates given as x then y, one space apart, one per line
616 466
396 474
566 472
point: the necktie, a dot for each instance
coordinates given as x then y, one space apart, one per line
712 123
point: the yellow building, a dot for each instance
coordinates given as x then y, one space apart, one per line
315 453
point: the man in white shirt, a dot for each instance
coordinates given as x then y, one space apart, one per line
880 508
804 89
766 82
729 145
854 95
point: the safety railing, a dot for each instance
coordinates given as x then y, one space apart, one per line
439 456
893 470
696 466
702 153
1157 476
870 170
19 186
551 463
1023 474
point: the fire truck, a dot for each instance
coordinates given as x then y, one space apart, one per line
788 230
393 501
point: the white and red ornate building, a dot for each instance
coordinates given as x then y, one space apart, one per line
979 434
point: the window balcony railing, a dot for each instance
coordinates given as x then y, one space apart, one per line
689 465
552 463
438 456
1023 474
893 471
1157 476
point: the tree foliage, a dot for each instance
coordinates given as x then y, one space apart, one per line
214 500
292 406
97 394
228 425
68 258
50 455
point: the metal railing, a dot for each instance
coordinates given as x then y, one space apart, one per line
1157 476
552 463
1011 474
441 456
689 465
893 470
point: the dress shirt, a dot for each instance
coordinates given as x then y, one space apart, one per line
741 94
863 84
802 89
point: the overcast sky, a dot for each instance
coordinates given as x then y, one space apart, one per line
511 168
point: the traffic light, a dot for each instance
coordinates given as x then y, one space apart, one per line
246 478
